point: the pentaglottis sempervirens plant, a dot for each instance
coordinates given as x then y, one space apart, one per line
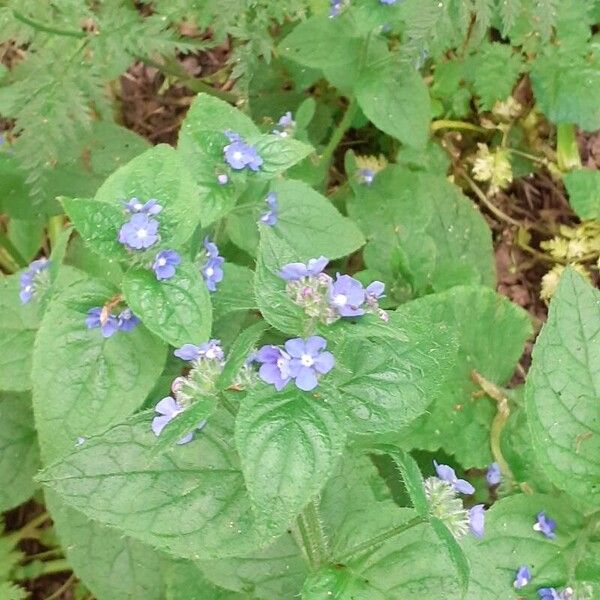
268 361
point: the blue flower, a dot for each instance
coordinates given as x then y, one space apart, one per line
275 367
210 350
308 360
366 176
493 475
240 155
99 317
336 8
286 123
545 525
553 594
448 474
164 264
270 216
212 271
375 290
222 179
477 520
140 232
522 578
295 271
127 320
168 409
346 295
151 207
388 1
31 279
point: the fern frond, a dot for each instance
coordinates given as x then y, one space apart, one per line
509 11
544 14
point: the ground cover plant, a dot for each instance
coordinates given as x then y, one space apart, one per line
299 299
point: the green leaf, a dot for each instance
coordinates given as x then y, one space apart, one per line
397 101
280 153
235 292
27 236
491 344
584 192
19 454
177 309
390 373
288 442
82 382
18 325
424 228
185 581
98 224
157 173
191 503
563 390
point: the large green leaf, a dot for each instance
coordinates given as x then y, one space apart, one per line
191 503
82 381
563 390
18 324
491 333
423 230
178 309
19 454
584 192
185 581
235 292
288 442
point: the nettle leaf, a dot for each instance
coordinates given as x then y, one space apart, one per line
160 174
491 344
424 229
18 325
280 153
236 292
277 571
288 442
563 390
395 98
191 503
19 454
584 192
178 309
389 376
82 382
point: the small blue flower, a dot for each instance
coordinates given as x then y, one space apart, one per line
31 278
347 295
477 520
448 474
212 271
522 578
210 350
127 320
388 1
151 207
286 124
98 317
140 232
553 594
168 408
270 216
308 360
212 251
222 179
275 366
375 290
366 176
545 525
336 8
165 263
295 271
240 155
493 475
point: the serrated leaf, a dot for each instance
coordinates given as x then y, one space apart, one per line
19 454
280 153
584 192
288 442
562 390
397 101
191 503
18 325
178 309
80 383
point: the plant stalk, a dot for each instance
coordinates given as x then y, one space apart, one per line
47 28
567 150
340 130
312 536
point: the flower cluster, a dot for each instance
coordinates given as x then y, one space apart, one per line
301 360
326 299
212 269
286 125
240 155
141 231
270 216
34 279
441 492
493 167
109 323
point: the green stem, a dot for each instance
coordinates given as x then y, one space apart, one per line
29 530
539 159
55 227
376 541
312 535
11 250
63 588
447 124
340 130
45 568
567 150
47 28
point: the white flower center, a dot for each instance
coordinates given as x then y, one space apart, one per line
238 155
282 365
142 233
209 272
138 206
307 360
161 262
340 300
211 353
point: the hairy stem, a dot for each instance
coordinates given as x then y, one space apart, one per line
313 540
375 542
47 28
567 150
447 124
